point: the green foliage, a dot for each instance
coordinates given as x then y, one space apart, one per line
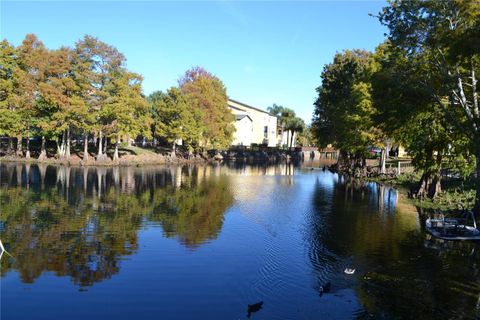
287 121
419 89
307 137
282 113
87 91
101 75
126 111
295 125
175 117
8 82
344 108
433 55
426 89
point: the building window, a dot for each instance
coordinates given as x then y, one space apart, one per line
265 132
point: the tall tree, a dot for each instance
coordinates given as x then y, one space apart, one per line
343 114
441 41
284 116
32 57
209 96
406 113
100 64
62 111
125 112
294 125
10 118
175 118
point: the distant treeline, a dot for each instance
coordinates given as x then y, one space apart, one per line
86 93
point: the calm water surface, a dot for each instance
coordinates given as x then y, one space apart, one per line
204 242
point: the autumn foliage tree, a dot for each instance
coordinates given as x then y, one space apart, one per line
100 65
10 122
209 96
86 94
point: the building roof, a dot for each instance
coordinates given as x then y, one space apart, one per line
241 116
246 106
236 108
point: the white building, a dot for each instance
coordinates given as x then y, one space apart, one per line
253 125
243 130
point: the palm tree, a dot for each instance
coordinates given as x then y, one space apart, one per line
294 125
284 115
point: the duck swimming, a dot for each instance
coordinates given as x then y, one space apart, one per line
349 271
252 308
325 288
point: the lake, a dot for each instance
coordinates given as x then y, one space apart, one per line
204 242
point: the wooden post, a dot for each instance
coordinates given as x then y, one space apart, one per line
398 167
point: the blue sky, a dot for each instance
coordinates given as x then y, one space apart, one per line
264 52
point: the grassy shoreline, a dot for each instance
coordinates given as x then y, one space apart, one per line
457 194
137 158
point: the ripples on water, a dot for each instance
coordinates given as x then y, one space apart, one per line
204 242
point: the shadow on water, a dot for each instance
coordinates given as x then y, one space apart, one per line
401 272
80 222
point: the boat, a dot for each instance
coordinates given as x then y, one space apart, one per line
453 228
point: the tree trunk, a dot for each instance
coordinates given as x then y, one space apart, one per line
10 146
173 154
100 149
429 186
342 158
61 147
27 152
476 208
291 139
85 147
105 146
43 150
281 134
383 158
19 147
100 155
430 182
421 190
67 150
435 187
115 154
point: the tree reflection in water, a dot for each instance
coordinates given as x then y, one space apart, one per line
80 222
401 270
